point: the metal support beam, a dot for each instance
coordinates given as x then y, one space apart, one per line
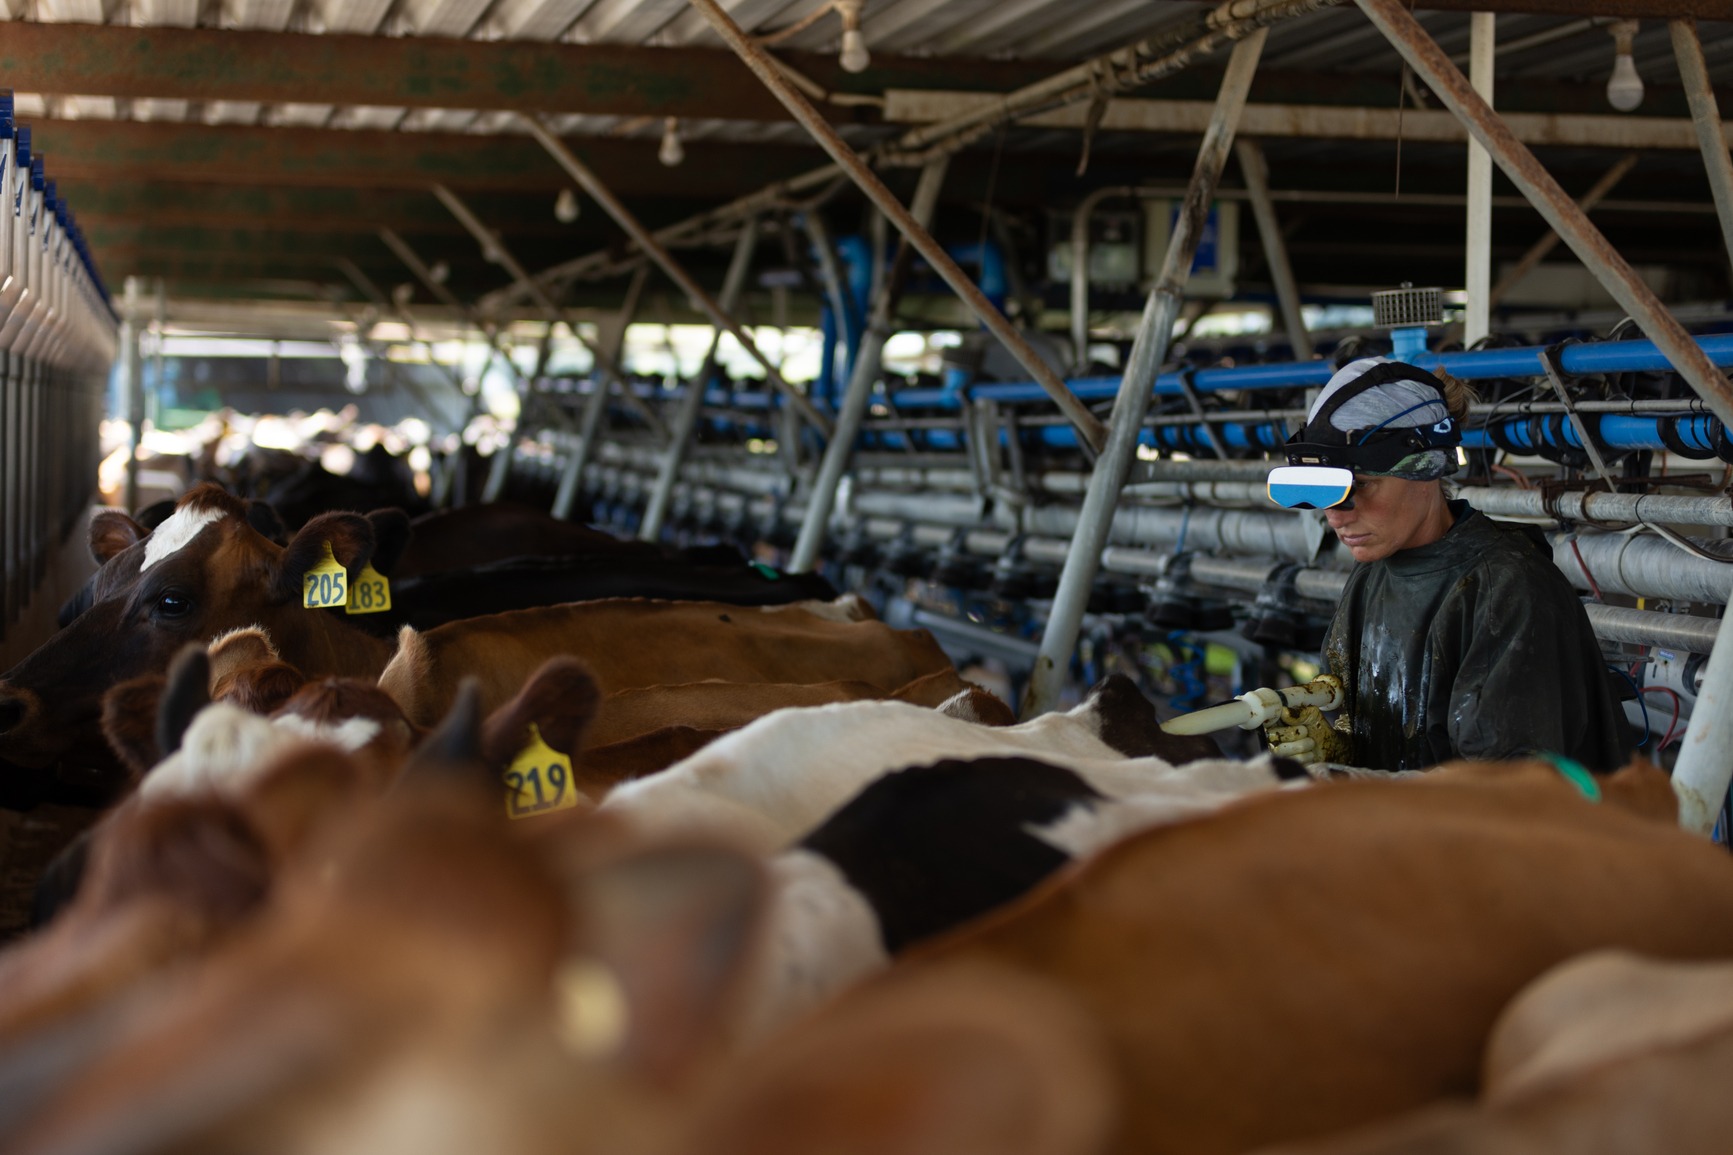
1477 276
1148 350
1559 211
1705 766
1256 172
605 364
822 499
130 341
692 404
1538 251
1089 428
596 408
1706 119
590 183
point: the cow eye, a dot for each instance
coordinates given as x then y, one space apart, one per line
174 605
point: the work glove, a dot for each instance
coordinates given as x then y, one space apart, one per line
1307 737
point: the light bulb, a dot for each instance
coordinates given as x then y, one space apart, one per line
566 206
672 152
854 56
1624 87
439 273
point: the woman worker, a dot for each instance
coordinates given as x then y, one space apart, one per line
1456 636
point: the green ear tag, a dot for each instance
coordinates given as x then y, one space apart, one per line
371 593
326 585
765 571
539 780
1577 775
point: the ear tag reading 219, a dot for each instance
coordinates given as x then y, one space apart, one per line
326 584
539 780
371 593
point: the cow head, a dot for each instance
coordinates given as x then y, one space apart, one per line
204 571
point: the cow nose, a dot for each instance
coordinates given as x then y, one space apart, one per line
12 711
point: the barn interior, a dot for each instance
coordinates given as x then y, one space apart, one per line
991 316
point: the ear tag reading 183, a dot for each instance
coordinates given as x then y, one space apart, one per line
539 780
371 593
326 585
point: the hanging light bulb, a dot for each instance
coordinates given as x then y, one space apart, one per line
854 56
440 272
566 206
1624 87
672 151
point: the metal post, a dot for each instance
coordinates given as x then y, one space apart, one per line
491 244
1080 272
691 405
1706 119
572 475
1088 426
1705 765
860 383
1148 351
1477 276
1524 171
830 269
586 179
134 389
1537 252
153 400
1257 177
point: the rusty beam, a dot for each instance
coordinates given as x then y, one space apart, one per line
431 72
1554 205
79 150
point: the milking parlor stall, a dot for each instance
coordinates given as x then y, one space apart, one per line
732 577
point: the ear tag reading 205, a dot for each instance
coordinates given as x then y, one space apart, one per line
539 780
326 585
371 593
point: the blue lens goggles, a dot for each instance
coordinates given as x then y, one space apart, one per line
1310 486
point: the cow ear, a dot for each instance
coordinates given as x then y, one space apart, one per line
391 534
454 749
111 531
559 699
678 928
129 722
964 1061
188 692
350 537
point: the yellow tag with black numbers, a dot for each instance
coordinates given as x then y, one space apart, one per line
371 593
326 585
539 780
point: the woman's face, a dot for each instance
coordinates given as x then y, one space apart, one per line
1390 514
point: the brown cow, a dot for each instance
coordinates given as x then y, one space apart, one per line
630 643
478 534
1309 961
201 573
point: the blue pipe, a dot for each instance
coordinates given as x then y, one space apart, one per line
1574 360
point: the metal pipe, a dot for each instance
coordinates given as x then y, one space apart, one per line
1705 765
1641 565
1559 211
1477 277
1538 251
1080 271
830 272
822 498
1654 508
596 408
1148 350
1706 119
134 390
755 58
719 317
1256 171
686 415
496 250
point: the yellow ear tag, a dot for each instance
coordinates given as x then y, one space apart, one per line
371 593
326 584
539 780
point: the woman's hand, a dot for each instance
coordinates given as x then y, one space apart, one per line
1307 737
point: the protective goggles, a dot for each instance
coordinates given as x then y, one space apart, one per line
1311 486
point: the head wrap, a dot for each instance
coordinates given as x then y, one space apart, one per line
1401 404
